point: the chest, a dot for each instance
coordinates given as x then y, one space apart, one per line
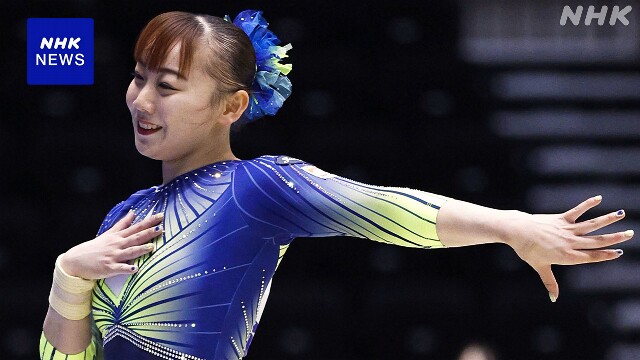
193 227
201 264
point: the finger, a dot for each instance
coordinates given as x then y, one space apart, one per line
150 221
549 281
573 214
143 236
119 268
124 222
576 257
587 226
601 241
134 252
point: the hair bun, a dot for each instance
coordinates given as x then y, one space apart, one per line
271 87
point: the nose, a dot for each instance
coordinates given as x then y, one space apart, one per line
145 100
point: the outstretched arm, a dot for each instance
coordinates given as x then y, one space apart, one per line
539 239
296 199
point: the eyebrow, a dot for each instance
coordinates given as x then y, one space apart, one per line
166 70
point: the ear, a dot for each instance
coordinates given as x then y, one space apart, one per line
234 106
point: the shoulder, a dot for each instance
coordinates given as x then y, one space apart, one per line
276 161
264 170
276 171
274 165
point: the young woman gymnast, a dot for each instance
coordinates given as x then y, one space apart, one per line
183 270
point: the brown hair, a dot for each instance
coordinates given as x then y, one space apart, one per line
232 62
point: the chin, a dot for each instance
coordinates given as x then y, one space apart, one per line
146 151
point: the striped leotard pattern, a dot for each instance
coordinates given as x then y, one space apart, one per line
201 293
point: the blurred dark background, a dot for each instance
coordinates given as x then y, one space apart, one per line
488 101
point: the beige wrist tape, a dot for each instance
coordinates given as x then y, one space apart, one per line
70 296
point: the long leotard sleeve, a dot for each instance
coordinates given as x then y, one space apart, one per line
291 198
49 352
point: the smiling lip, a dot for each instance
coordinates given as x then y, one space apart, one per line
143 131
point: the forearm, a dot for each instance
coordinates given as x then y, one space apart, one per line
67 326
460 223
68 336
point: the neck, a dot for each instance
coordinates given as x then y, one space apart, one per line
175 167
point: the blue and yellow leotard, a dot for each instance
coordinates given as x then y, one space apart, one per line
200 294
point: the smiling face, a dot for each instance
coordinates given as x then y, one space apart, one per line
174 117
191 82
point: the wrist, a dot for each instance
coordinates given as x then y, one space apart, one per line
506 224
70 295
65 265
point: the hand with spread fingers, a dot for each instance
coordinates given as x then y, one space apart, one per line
108 254
543 240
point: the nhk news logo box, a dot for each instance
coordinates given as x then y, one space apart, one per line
60 51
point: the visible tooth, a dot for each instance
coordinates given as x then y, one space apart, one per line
149 126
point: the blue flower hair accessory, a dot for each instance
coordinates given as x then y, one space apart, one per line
271 87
